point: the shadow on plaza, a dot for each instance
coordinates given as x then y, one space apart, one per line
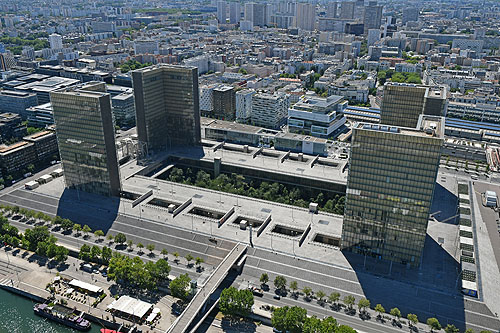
428 291
98 212
444 205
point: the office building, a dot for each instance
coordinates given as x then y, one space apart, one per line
43 88
17 102
269 110
306 16
317 116
86 139
11 127
45 145
372 17
234 12
392 174
55 42
40 116
410 14
124 110
167 106
36 149
224 103
402 103
244 105
347 10
221 12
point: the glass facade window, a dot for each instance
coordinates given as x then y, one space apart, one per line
86 139
389 193
402 105
167 106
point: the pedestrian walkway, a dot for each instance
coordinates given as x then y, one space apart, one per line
184 320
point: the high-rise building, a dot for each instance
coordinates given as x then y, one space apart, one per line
234 12
373 37
269 110
55 42
359 10
410 14
167 106
373 16
86 139
347 10
244 105
257 13
221 12
224 103
402 103
306 16
331 9
392 174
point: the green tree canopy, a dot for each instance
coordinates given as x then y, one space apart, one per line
234 302
120 238
179 286
433 324
280 282
289 319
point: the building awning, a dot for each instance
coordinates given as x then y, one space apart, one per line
85 286
131 306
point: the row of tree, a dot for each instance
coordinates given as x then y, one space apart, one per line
295 320
37 240
280 283
64 223
135 273
254 188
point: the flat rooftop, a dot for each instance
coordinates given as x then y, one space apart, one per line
428 126
229 126
274 161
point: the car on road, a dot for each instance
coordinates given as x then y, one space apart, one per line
474 176
278 297
86 268
95 271
257 291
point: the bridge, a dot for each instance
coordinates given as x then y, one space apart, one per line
182 323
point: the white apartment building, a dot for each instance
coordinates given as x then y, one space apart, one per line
55 42
146 46
244 105
269 110
206 98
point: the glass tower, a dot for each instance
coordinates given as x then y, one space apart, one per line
392 173
167 106
403 103
86 139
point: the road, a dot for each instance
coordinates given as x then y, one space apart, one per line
146 232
